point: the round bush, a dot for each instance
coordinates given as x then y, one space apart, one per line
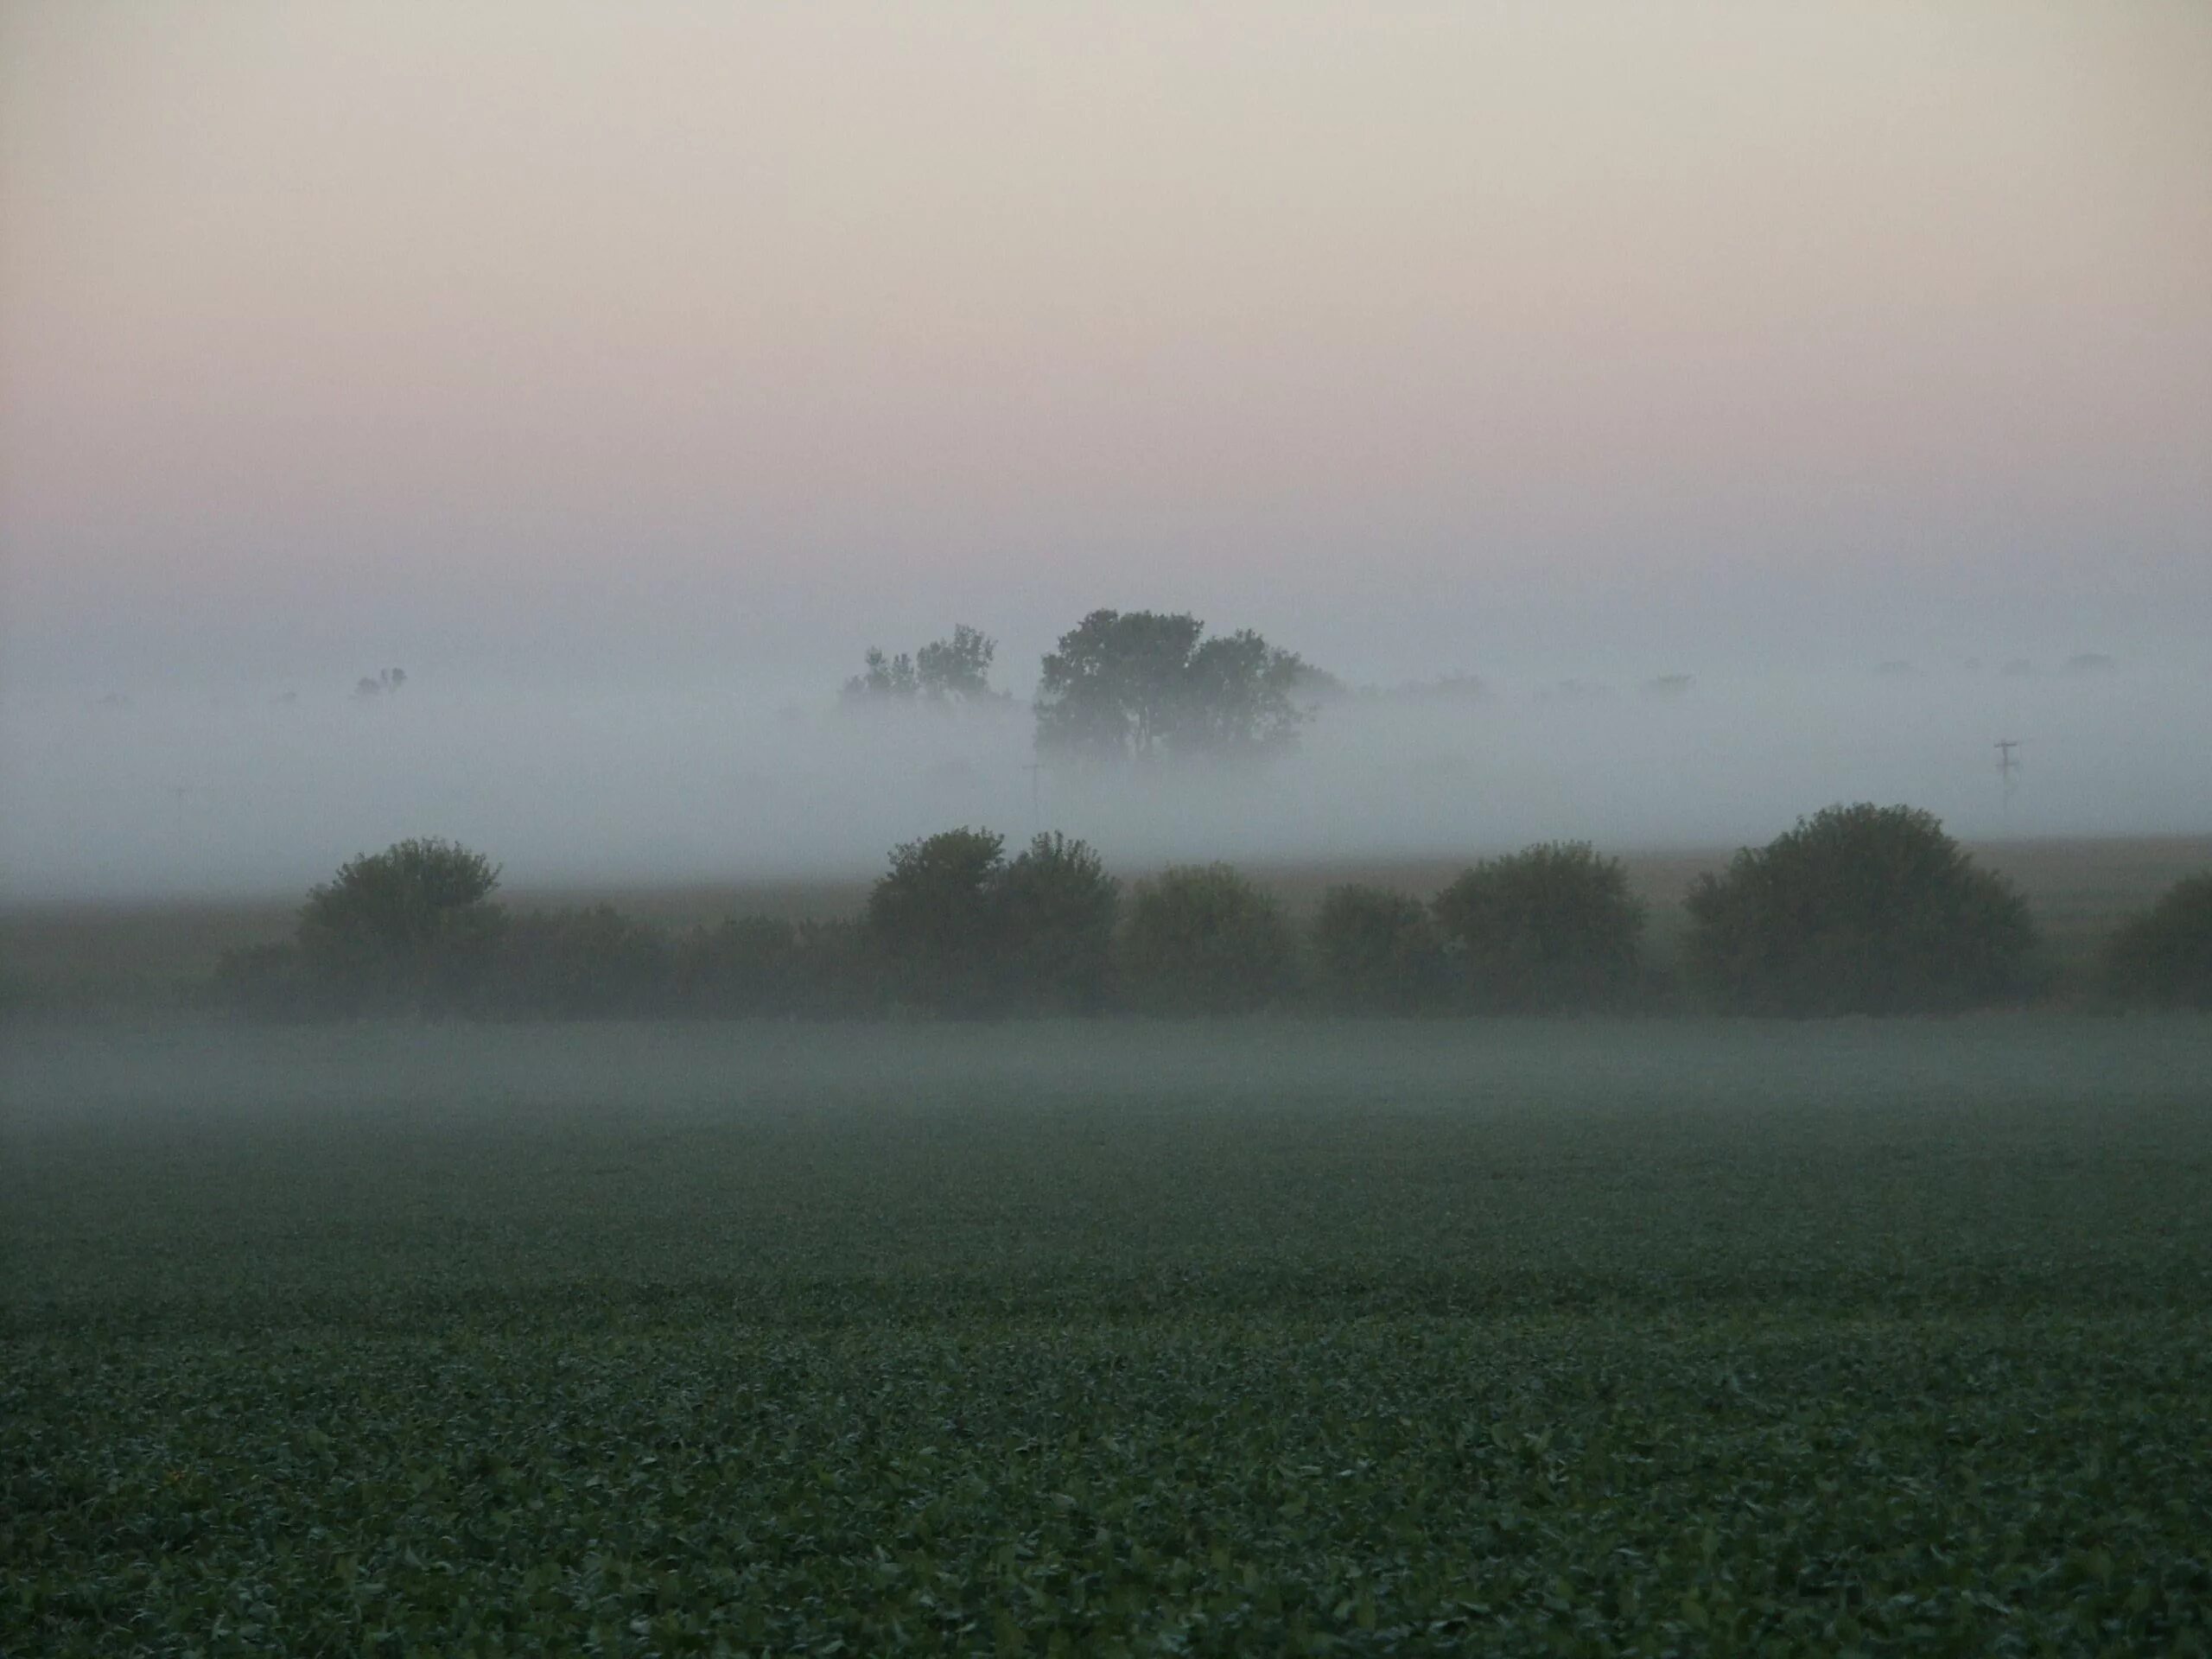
1859 910
2164 958
1375 952
1056 908
412 928
1550 928
1202 940
934 916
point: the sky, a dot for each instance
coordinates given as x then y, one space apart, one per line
561 352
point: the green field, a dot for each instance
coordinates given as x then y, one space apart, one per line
1658 1336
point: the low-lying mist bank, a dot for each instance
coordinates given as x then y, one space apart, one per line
144 798
216 1071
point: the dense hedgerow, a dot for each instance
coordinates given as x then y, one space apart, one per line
2164 958
961 930
1859 910
1550 928
1056 908
934 916
1203 940
1375 952
412 929
592 962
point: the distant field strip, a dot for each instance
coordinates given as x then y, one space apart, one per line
1584 1337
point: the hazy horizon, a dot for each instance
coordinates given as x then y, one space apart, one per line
623 374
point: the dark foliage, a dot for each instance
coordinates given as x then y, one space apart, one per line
1551 928
2164 958
744 966
410 929
588 963
1375 952
1202 939
955 671
265 981
764 967
1056 909
1140 685
935 917
1859 909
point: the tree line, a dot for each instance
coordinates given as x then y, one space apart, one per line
1121 687
1859 910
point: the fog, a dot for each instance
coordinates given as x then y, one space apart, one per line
142 795
621 375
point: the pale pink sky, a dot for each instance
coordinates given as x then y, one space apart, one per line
427 331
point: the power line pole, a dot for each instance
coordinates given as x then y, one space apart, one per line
2008 765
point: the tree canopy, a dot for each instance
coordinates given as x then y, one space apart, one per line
412 927
1859 909
954 670
1136 685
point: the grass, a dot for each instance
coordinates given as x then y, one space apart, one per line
137 956
1519 1336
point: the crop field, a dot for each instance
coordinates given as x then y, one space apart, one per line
1576 1337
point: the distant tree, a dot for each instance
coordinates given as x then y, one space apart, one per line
1203 940
2164 957
1138 684
1549 928
955 671
1056 909
934 916
390 680
1375 951
411 928
883 679
1859 909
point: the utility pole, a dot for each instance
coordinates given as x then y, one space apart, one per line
2008 765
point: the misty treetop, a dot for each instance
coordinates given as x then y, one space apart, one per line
411 928
2164 957
1859 909
1550 928
961 929
949 672
1142 685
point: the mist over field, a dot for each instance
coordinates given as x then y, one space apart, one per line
149 794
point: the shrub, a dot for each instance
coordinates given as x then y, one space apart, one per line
265 981
1550 928
837 972
1375 952
2164 958
1858 910
589 963
744 966
934 916
412 928
1056 909
1202 939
